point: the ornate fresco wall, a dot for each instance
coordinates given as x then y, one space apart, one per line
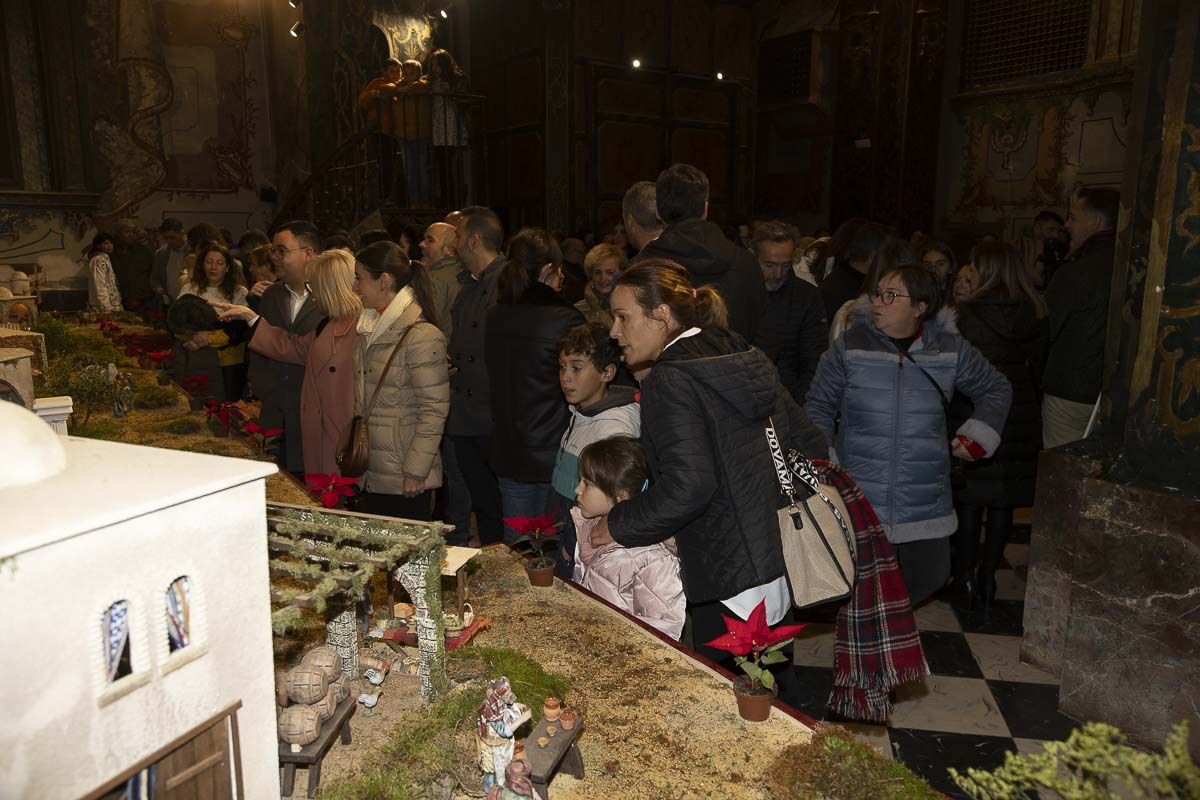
173 119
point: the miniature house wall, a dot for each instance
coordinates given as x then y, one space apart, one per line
112 663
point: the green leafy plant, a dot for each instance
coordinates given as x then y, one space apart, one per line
1096 762
154 396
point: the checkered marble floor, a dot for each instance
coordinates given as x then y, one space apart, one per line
979 702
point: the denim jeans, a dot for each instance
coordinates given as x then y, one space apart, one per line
519 499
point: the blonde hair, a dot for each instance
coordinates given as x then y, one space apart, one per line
658 281
331 278
601 253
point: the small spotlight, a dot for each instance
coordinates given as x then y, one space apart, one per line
296 30
294 3
720 76
637 63
444 14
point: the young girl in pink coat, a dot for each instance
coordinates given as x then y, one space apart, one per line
643 581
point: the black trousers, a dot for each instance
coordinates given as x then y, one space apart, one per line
475 464
966 540
925 565
396 505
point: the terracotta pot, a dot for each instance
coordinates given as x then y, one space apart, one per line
567 719
551 709
754 707
541 576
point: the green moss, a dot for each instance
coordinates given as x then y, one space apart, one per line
60 338
154 396
439 741
106 429
834 766
183 426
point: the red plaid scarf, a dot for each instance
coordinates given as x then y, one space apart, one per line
877 647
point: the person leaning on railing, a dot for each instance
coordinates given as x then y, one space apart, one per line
412 125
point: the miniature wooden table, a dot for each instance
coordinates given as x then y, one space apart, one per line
455 565
560 754
312 754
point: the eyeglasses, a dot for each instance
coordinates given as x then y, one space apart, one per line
887 296
280 250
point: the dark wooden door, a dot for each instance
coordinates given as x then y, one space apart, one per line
199 769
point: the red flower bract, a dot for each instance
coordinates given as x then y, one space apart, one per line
753 635
546 525
330 488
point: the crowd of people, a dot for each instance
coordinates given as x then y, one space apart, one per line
623 386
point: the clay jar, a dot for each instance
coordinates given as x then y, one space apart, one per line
567 719
551 708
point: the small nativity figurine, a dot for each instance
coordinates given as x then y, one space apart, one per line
499 717
517 785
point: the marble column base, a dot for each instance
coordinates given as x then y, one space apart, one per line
1113 603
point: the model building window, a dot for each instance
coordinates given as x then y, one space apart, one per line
115 629
179 614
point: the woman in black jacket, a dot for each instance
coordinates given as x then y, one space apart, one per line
1005 319
521 354
705 406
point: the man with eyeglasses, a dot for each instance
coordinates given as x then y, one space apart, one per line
794 331
286 304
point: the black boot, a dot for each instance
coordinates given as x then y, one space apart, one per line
996 534
966 542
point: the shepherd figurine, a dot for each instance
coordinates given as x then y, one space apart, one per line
499 717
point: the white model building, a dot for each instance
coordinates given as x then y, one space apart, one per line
135 638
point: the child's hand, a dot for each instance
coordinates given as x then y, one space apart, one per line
600 533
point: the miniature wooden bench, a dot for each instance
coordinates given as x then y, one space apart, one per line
560 754
313 753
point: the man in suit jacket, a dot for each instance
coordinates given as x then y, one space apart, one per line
286 304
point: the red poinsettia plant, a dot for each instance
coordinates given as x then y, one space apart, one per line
331 488
226 413
755 646
537 532
160 357
263 438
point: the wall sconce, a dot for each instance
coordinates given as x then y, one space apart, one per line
444 14
294 3
637 64
296 30
720 76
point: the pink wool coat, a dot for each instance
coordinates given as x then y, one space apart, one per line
327 394
643 581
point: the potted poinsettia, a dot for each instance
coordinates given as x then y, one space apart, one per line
538 533
329 488
264 439
222 417
755 646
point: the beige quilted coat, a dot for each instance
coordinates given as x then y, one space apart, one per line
407 420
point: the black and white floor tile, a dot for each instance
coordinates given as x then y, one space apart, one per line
980 701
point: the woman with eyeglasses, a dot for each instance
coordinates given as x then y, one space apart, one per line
891 253
327 353
1003 316
882 394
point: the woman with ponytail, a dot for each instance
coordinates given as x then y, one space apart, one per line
406 419
706 403
521 354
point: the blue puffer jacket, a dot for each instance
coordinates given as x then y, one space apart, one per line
891 425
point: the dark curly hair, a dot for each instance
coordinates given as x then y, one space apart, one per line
591 341
200 279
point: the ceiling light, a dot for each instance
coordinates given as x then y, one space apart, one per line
444 14
637 63
296 30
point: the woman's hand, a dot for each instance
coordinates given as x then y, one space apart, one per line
228 311
198 341
412 487
600 533
958 451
